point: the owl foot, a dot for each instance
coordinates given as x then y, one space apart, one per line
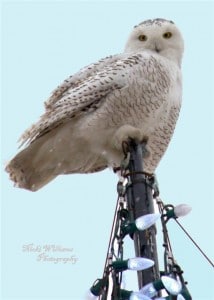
125 133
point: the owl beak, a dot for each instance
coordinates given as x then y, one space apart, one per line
157 48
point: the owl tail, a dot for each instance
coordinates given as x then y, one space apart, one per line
35 166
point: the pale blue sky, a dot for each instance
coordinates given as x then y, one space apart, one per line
44 42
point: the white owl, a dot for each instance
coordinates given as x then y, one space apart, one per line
134 94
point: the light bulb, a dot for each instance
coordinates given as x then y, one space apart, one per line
97 287
139 263
182 210
124 295
140 223
171 285
91 296
136 264
138 296
149 290
146 221
180 297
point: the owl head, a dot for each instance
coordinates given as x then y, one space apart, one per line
159 36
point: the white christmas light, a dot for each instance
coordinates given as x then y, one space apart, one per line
146 221
96 290
138 296
91 296
140 223
182 210
180 297
149 290
171 285
139 263
135 264
130 295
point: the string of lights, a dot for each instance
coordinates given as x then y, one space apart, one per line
169 284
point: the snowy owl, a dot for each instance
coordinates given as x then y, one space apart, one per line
135 94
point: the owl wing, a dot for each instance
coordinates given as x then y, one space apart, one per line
82 93
76 79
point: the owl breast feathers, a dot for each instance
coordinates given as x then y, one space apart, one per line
135 94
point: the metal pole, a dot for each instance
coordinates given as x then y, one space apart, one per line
140 202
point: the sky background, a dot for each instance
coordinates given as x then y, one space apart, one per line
43 43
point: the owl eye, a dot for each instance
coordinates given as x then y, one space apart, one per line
167 35
142 38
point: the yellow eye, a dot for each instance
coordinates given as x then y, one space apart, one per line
167 35
142 38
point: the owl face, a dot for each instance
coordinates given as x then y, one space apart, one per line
160 36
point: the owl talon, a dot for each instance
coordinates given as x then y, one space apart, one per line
124 134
